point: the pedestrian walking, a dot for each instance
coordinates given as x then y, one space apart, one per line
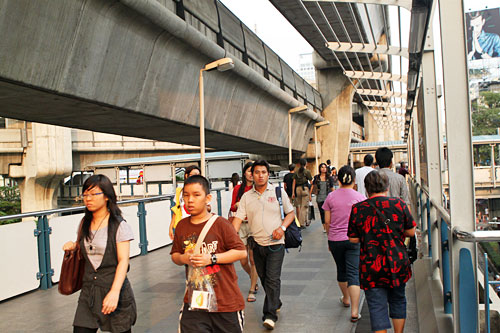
244 232
397 183
335 178
179 211
322 185
235 180
288 180
106 299
261 208
380 224
300 195
337 208
362 172
220 248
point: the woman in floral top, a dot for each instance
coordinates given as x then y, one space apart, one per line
381 225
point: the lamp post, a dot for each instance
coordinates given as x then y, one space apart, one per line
221 65
316 126
301 108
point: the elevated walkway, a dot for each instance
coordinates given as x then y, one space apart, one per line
309 291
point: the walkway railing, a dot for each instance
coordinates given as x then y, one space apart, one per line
31 257
439 234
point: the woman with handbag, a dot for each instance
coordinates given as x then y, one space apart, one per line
337 208
381 224
106 300
322 185
244 232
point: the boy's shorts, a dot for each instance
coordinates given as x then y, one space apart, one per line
244 232
201 321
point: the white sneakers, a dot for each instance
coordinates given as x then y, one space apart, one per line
269 324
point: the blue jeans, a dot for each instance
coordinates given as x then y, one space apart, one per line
382 299
268 261
346 256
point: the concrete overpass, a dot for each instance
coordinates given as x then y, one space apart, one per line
131 68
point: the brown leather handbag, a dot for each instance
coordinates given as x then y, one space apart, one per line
73 266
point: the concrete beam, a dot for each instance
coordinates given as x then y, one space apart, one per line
368 48
376 76
401 3
382 93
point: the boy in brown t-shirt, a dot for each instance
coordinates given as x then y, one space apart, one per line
221 247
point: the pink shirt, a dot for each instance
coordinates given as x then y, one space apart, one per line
339 203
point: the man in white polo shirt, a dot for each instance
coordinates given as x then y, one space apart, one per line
261 208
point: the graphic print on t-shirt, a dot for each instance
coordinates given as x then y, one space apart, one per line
199 275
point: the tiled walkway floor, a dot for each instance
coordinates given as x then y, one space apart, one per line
309 293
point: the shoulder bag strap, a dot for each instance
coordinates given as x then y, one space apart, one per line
277 189
204 232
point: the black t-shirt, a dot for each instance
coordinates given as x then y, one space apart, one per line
288 180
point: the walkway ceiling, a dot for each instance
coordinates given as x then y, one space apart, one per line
355 37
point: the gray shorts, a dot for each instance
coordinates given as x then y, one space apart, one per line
244 232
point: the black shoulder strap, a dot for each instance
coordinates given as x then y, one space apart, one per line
277 189
381 215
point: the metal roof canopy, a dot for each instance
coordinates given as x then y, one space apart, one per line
169 159
325 21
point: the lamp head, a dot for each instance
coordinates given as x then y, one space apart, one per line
221 65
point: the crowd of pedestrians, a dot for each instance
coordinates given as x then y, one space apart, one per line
364 213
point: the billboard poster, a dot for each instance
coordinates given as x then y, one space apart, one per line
483 34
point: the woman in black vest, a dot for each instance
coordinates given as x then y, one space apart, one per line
106 299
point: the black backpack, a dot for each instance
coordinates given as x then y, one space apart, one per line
293 236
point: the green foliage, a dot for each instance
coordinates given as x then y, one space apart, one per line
493 253
10 203
486 118
491 99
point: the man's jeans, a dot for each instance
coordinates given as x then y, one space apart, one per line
268 261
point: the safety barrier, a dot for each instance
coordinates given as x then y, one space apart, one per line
32 256
440 227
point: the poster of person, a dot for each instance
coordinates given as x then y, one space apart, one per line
483 34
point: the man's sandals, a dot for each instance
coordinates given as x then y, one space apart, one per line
251 294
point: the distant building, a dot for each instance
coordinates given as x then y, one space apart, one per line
306 68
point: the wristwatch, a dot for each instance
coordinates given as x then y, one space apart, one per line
283 228
214 259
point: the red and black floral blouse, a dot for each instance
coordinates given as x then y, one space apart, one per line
383 258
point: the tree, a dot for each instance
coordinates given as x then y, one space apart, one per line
486 118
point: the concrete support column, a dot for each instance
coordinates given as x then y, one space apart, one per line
337 95
46 161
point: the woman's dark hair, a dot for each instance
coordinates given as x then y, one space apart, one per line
235 178
319 168
188 170
376 182
260 163
198 179
241 190
302 162
346 175
108 191
333 169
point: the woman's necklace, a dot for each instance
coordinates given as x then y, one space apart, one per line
91 239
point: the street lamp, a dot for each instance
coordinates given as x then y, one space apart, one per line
221 65
301 108
316 126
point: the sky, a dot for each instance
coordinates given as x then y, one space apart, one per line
264 19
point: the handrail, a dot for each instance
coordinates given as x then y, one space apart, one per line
477 236
80 208
444 214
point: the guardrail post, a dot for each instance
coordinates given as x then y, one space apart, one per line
468 307
445 268
42 233
143 239
429 227
159 189
486 294
219 203
131 190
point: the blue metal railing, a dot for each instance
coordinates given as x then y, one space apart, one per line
43 230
